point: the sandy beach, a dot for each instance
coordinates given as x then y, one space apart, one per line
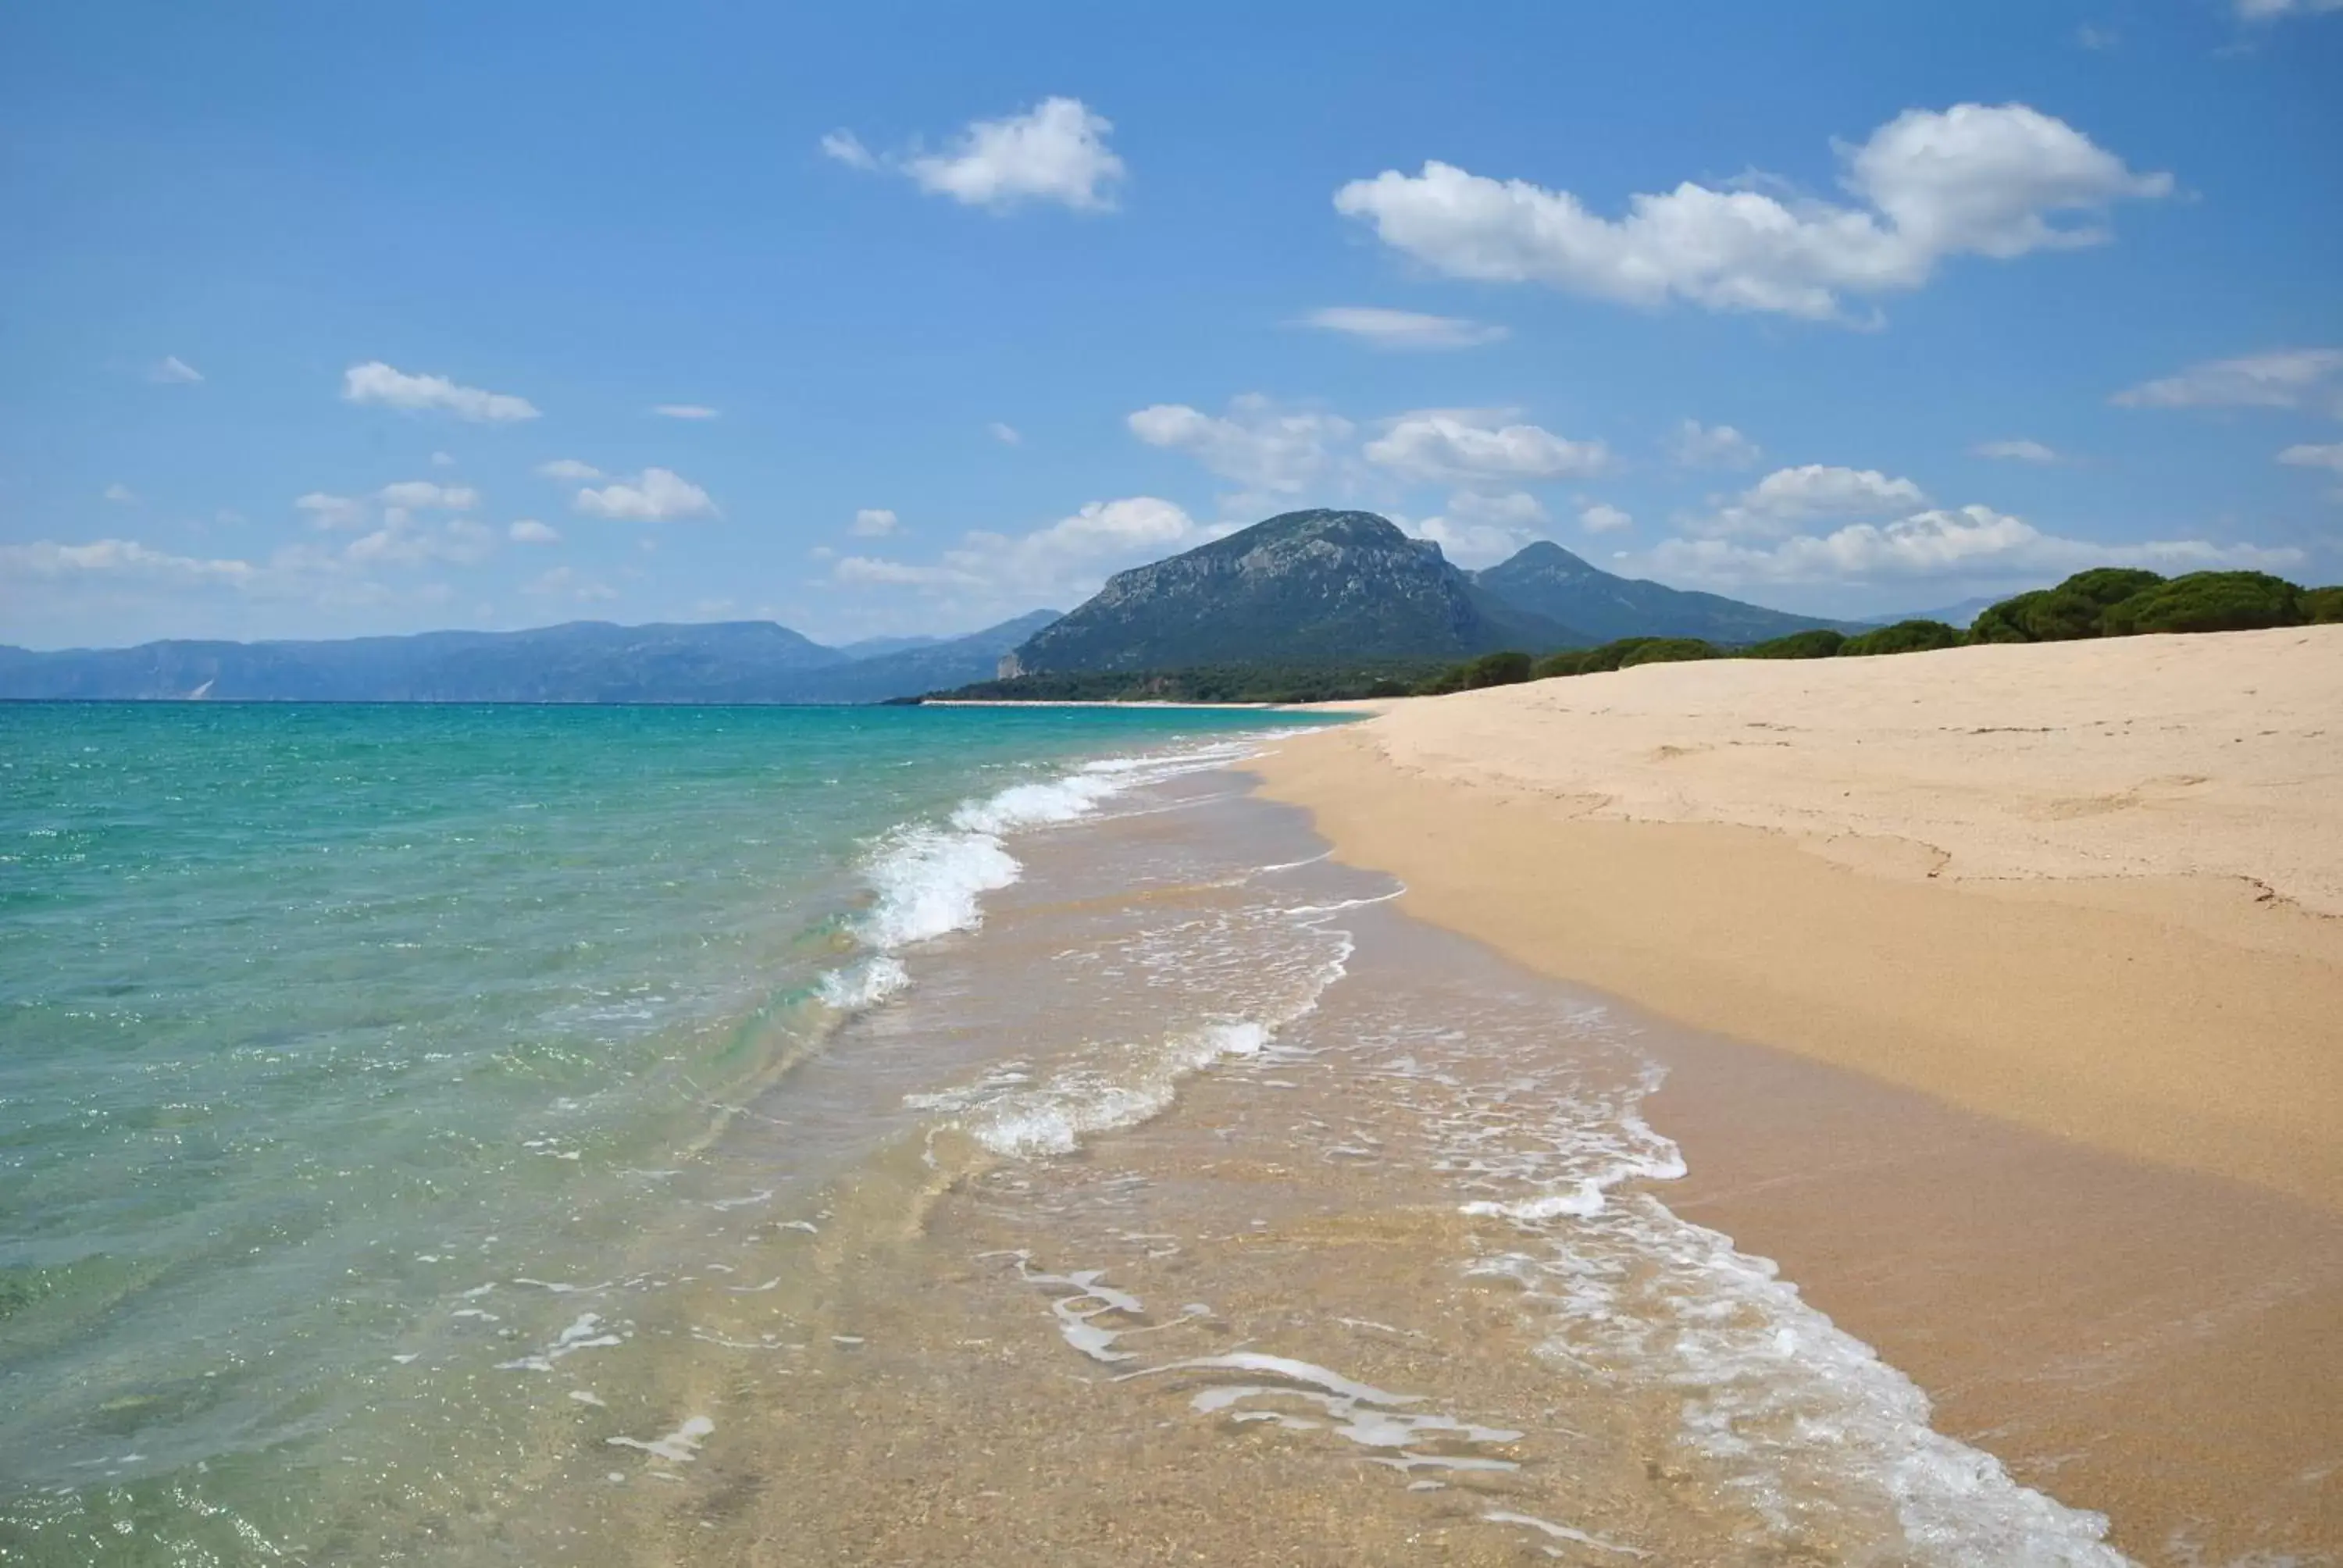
2038 953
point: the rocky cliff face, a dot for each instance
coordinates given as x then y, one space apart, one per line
1303 588
1547 580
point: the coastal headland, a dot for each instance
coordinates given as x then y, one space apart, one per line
2018 977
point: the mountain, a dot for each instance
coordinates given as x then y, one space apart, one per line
931 665
1545 580
582 661
1300 588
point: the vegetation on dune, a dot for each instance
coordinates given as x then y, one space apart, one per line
1671 650
2206 601
1904 637
2072 609
1507 668
1820 643
2323 605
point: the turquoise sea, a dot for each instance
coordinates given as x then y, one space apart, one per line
308 1015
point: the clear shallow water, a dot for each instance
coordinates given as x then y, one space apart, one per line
312 1019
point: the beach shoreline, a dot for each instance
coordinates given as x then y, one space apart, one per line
2017 969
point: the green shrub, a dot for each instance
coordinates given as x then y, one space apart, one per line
1506 669
1821 642
2206 601
1670 650
2074 608
2323 605
1904 637
1588 660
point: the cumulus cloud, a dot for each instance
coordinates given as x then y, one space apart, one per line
1601 517
1786 496
119 559
1403 328
1007 434
569 470
1257 443
2306 455
873 522
1974 544
2016 451
1996 181
443 460
1054 152
401 541
173 371
655 495
120 494
376 382
685 411
2278 379
1698 445
1470 445
1060 563
421 494
530 531
1479 529
328 511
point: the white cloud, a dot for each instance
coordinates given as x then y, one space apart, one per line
120 494
1786 496
1256 443
173 371
2279 378
1007 434
1479 529
2271 10
847 149
121 559
2096 39
1604 518
569 470
685 411
873 522
443 460
376 382
1968 543
1055 152
325 511
656 496
530 531
564 582
2307 456
1062 563
1974 179
1698 445
1403 328
1468 447
401 541
420 494
2016 451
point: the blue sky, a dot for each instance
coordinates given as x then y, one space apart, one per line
322 320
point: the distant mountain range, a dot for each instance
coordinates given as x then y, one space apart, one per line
1547 580
1303 589
1300 588
582 661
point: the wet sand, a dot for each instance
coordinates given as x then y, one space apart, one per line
2055 933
